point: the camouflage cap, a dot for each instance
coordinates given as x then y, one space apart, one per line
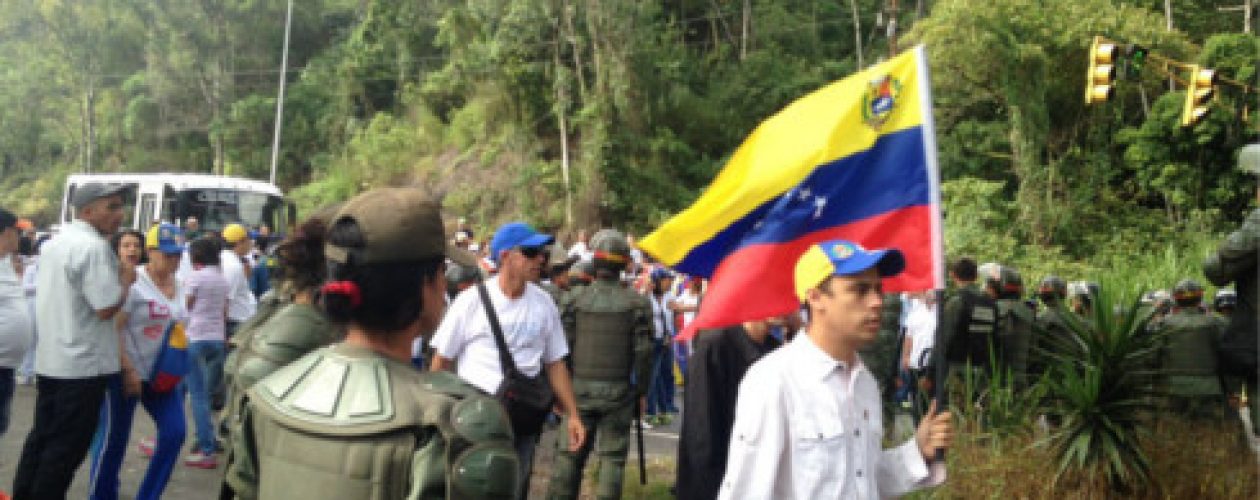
611 246
398 225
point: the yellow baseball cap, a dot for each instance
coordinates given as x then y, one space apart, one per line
843 258
234 233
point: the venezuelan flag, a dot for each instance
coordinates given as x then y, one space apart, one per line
172 361
854 160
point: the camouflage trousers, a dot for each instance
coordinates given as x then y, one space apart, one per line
607 410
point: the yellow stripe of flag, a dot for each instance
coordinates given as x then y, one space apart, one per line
819 128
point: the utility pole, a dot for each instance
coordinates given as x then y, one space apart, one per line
284 68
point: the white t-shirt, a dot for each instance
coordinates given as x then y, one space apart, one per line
15 319
920 329
149 313
581 251
662 317
241 300
531 329
688 299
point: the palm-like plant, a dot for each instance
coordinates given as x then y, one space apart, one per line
1101 387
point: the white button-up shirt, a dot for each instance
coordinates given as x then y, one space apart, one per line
78 275
809 427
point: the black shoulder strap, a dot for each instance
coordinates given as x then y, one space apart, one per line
505 357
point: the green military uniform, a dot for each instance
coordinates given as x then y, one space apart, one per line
1235 261
1016 320
554 291
880 356
1188 362
347 422
610 334
967 332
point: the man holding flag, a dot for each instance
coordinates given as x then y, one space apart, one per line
850 165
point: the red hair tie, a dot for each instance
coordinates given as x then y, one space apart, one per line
348 288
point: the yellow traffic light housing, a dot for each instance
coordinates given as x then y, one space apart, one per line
1198 95
1099 80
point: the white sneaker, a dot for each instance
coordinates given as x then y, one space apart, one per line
646 425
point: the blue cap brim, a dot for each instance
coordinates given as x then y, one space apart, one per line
171 249
889 262
537 240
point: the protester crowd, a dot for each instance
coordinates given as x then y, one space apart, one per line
370 353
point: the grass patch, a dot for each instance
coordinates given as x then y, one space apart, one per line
1188 461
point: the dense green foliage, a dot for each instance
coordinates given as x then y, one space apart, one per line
578 113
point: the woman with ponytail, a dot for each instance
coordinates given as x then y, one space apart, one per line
355 419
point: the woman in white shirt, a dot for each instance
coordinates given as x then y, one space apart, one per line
155 303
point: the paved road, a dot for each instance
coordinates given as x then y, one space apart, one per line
196 484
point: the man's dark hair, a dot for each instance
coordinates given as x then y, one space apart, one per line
204 251
964 269
391 295
302 255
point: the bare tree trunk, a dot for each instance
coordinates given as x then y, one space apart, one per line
747 27
562 104
892 28
1172 83
89 126
857 32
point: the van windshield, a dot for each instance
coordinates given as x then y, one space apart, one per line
216 208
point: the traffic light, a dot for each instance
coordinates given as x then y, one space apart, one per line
1198 95
1135 56
1102 71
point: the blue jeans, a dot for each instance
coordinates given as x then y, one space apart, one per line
6 397
660 397
205 374
112 435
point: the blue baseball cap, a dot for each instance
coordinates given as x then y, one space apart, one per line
164 237
843 258
516 234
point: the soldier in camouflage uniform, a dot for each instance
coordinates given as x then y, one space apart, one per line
355 420
610 334
880 356
297 326
968 328
1015 321
558 264
1188 357
1050 323
1235 261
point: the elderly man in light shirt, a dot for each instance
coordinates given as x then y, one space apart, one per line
807 418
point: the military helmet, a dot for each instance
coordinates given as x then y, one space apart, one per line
1225 297
1188 289
1052 285
1082 289
1010 281
990 273
1249 158
610 245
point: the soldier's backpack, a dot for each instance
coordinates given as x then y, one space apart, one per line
977 333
